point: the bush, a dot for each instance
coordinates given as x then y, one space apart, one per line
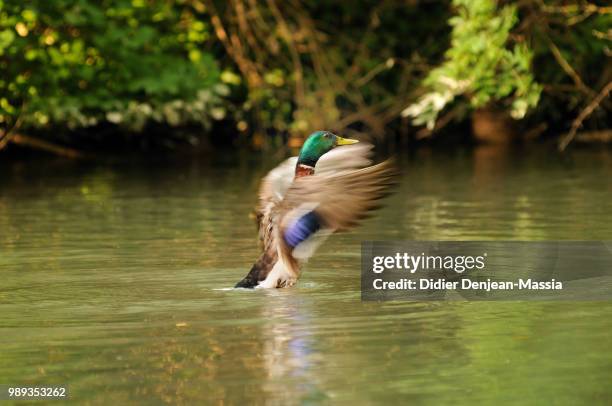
480 65
77 63
545 57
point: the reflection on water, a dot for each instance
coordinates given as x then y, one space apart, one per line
114 277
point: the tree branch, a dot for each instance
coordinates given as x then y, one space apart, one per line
588 110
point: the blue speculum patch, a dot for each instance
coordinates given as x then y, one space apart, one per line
303 228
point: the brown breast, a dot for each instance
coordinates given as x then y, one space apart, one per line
303 170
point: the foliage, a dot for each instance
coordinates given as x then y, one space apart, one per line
288 67
77 63
480 64
328 64
572 46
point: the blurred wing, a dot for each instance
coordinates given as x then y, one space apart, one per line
348 157
277 181
275 184
324 203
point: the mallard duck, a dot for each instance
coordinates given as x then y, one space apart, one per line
306 198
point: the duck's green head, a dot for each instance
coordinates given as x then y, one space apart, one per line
319 143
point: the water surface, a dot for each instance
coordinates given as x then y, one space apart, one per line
114 277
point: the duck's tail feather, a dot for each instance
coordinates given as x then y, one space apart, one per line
259 271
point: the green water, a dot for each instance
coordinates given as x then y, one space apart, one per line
113 278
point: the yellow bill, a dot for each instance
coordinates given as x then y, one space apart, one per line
345 141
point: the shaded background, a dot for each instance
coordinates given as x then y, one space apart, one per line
108 76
